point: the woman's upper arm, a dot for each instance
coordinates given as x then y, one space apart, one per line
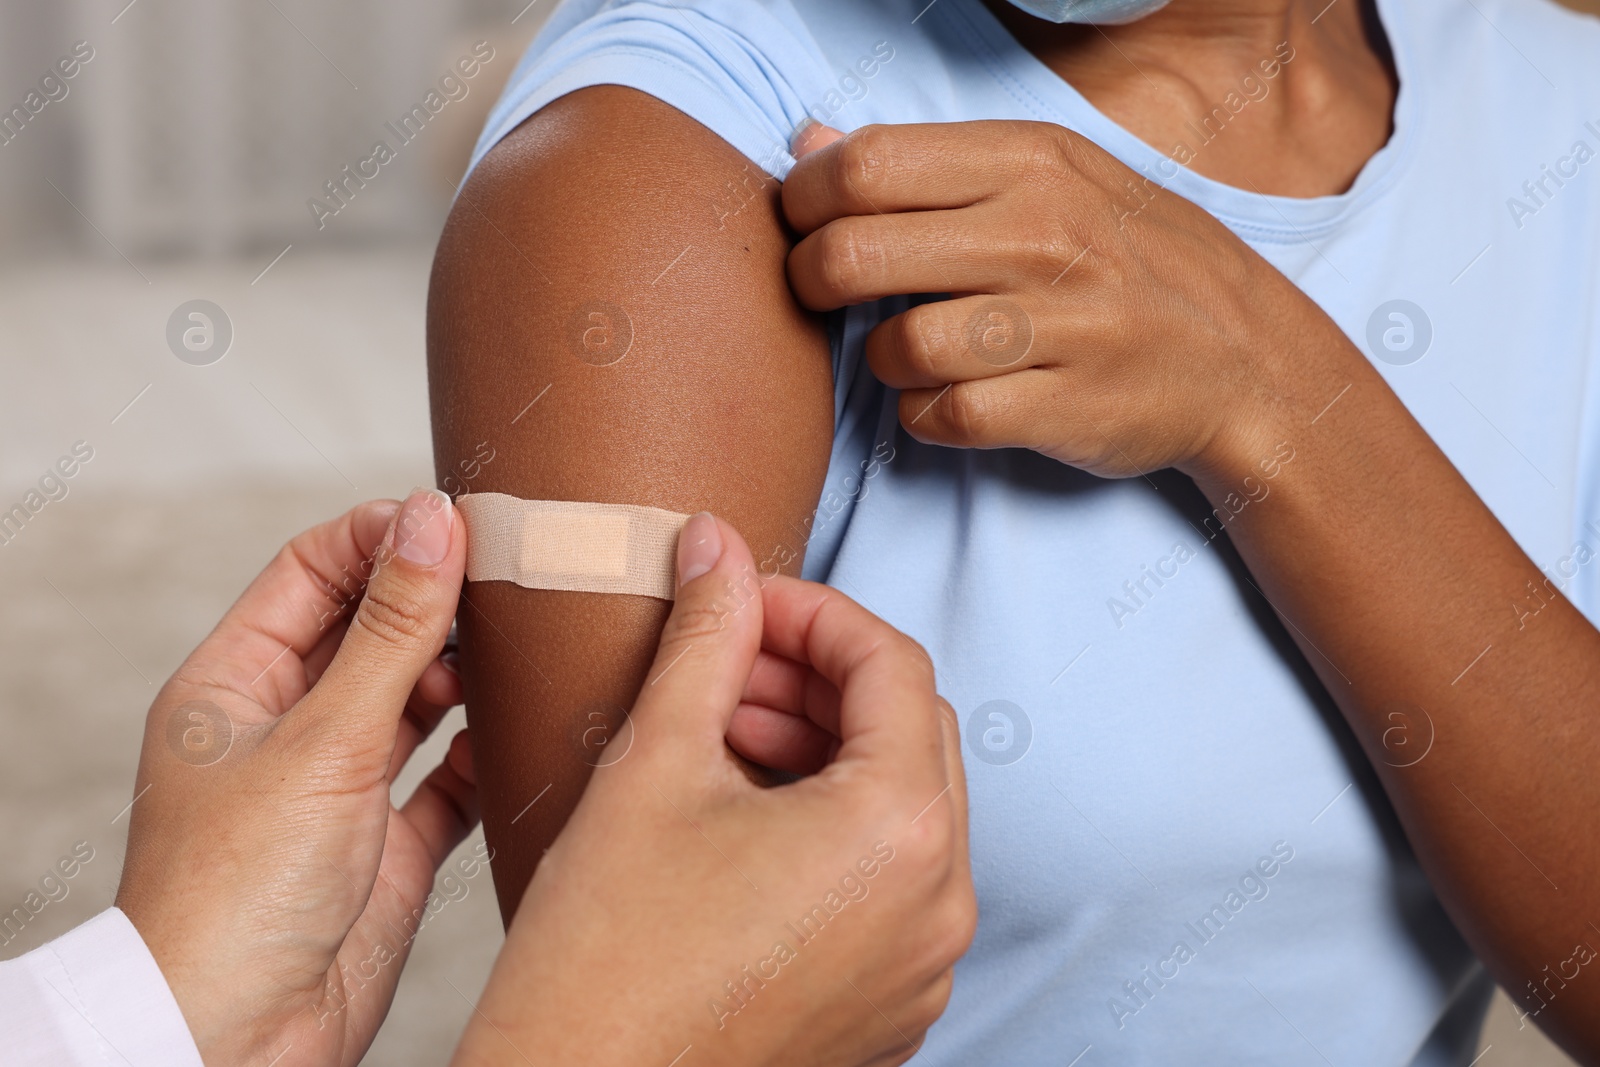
608 320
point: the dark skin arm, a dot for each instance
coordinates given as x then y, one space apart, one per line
560 244
1429 624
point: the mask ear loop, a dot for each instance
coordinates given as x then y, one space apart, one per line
562 544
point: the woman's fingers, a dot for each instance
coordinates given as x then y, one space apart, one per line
869 257
913 167
440 684
1001 412
932 345
810 137
441 813
316 661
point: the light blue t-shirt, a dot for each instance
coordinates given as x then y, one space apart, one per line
1181 854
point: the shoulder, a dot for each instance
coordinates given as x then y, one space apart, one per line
609 199
749 70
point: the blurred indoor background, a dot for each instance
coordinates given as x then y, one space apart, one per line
178 164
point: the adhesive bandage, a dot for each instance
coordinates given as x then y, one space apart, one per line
562 544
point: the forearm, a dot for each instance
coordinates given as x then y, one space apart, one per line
1469 680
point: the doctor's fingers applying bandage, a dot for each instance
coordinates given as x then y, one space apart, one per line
267 870
813 922
274 889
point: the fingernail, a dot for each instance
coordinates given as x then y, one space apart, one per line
699 547
452 662
422 529
800 132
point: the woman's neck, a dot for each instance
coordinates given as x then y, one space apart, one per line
1288 97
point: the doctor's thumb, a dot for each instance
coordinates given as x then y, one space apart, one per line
709 643
402 621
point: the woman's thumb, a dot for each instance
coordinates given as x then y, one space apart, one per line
811 135
402 621
709 644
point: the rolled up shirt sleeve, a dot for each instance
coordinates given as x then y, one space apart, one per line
92 998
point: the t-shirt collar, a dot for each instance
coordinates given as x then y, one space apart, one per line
1041 91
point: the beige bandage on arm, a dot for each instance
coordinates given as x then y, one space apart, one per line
562 544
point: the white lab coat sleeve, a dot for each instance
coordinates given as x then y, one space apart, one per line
93 997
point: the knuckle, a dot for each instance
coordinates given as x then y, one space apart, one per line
393 615
966 411
695 621
847 257
931 1005
929 845
942 945
920 660
1046 250
1047 154
923 341
961 925
862 162
702 615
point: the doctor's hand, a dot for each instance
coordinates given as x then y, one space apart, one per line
267 871
685 913
1095 317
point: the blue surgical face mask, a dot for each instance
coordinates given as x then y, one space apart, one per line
1097 12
